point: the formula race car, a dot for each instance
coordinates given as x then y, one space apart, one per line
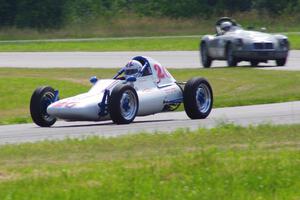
142 87
234 44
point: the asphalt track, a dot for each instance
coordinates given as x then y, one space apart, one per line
170 59
281 113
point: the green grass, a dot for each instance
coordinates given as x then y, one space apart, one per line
294 41
106 45
227 162
130 24
141 44
231 86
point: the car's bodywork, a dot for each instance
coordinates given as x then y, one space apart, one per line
153 93
155 88
238 44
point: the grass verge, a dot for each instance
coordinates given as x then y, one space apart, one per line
227 162
129 24
127 44
231 86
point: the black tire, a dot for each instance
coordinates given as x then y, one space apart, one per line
254 63
118 112
194 108
231 59
41 98
206 60
281 62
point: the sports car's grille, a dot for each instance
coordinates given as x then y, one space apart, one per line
267 45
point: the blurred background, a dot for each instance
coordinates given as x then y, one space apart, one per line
37 19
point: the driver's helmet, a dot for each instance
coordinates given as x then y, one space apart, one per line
132 68
226 26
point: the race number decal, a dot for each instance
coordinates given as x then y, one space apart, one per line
161 72
65 104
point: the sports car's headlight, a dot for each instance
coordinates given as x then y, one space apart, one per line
284 43
239 43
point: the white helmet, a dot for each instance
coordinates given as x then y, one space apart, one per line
132 68
225 26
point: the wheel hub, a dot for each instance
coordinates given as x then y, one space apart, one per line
46 100
128 105
203 98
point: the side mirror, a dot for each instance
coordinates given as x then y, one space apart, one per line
131 79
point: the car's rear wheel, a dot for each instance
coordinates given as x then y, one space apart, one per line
123 104
254 63
41 98
281 62
231 59
205 58
198 98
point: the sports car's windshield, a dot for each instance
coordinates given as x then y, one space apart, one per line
234 28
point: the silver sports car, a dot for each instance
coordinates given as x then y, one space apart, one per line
235 44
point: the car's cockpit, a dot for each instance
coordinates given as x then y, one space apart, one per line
144 71
225 25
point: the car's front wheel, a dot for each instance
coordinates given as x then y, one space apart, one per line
41 98
198 98
123 104
281 62
231 59
205 58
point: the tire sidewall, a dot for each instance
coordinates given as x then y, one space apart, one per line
205 59
36 110
114 107
190 101
231 60
281 62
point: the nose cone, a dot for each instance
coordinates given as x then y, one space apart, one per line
84 110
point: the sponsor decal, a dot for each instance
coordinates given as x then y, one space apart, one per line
65 104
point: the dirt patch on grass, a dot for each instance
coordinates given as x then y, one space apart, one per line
4 176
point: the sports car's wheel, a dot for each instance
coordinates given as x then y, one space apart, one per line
41 98
281 62
254 63
197 98
205 59
231 59
123 104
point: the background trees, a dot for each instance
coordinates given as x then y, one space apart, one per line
43 14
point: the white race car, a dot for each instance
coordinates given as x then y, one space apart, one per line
142 87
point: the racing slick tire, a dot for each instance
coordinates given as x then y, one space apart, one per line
254 63
231 59
197 98
205 58
123 104
281 62
41 98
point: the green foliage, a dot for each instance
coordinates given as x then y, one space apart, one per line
8 12
39 14
275 7
56 13
32 13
